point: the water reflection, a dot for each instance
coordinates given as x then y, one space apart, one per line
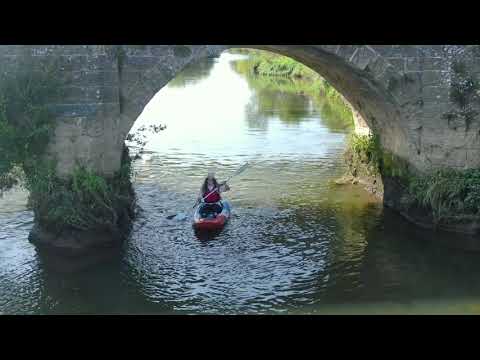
293 100
193 73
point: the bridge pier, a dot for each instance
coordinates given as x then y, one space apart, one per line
414 98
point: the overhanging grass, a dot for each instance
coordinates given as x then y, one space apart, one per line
452 195
84 201
363 155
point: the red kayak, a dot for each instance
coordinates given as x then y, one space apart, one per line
208 217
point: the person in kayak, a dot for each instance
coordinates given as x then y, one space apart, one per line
211 201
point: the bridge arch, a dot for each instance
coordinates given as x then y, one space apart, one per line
359 73
422 101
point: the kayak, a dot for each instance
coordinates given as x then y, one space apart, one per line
211 216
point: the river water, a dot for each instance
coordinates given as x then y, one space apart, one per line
296 243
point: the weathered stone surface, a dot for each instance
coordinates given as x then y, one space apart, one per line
398 63
74 243
426 63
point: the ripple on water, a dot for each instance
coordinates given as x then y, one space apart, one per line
293 244
241 268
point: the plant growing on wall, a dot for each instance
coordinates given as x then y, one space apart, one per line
464 93
26 124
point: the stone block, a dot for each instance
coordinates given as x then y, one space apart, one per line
107 94
429 78
378 66
75 110
13 50
473 158
404 51
435 93
140 63
91 78
426 63
330 48
137 50
182 51
397 63
90 94
382 50
431 50
346 51
362 57
161 50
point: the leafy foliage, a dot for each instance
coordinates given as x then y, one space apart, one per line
25 120
451 194
282 75
85 201
363 155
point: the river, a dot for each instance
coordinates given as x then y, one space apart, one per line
296 243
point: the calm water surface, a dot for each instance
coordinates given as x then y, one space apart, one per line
296 244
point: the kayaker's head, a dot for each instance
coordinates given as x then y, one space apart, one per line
209 181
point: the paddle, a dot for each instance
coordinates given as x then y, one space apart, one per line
239 171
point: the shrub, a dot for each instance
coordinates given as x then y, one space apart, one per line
25 120
450 194
363 155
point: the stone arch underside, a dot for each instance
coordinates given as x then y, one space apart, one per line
356 71
400 91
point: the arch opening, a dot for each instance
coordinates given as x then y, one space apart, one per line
202 68
210 120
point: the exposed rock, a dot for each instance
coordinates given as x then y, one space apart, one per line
73 243
344 180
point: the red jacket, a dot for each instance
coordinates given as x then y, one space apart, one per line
213 197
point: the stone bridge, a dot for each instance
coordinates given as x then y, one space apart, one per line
411 96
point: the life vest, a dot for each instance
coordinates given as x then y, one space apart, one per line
213 197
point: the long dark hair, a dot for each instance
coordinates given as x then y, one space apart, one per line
205 185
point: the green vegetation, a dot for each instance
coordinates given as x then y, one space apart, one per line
271 74
269 64
264 63
452 195
363 155
83 201
25 119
